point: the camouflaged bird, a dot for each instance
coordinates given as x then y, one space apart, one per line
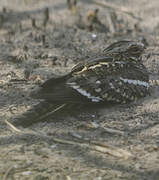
119 77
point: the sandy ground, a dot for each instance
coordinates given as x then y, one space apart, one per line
26 59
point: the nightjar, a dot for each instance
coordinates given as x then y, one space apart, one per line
118 76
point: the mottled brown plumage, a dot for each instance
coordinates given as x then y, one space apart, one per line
119 76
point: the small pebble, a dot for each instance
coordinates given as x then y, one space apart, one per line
26 173
94 36
53 146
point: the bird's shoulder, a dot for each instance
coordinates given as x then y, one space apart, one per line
105 65
85 64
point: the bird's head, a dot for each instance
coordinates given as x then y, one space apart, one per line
125 49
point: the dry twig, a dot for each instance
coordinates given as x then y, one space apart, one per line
98 146
111 6
46 17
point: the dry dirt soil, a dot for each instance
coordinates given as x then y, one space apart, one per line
31 52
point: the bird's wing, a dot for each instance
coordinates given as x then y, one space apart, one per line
110 81
97 81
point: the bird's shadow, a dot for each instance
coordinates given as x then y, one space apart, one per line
78 110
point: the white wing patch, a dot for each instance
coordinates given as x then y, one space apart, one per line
135 82
84 92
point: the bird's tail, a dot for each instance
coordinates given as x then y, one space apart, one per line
37 113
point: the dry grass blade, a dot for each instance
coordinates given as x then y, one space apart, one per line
13 127
113 131
94 145
15 169
9 174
